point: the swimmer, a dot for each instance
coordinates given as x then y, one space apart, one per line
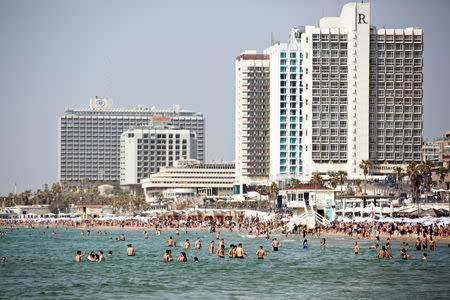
374 246
305 244
383 253
145 234
261 253
240 252
100 256
122 237
275 244
130 250
187 244
403 254
198 244
418 244
322 243
356 248
211 247
218 235
177 232
170 241
4 258
196 259
388 243
110 253
167 257
182 257
424 256
432 244
231 252
92 256
78 256
221 251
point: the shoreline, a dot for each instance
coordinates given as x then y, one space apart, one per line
383 236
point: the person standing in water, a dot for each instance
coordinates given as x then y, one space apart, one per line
356 248
221 251
305 244
198 244
322 243
261 253
130 250
275 244
211 247
187 244
240 251
167 256
78 256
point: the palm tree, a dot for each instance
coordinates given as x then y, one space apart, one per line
334 179
260 189
365 165
316 179
342 177
295 182
442 173
398 174
274 190
426 168
415 176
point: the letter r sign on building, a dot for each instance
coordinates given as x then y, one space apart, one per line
362 19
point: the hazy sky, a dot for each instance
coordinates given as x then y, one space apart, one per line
58 54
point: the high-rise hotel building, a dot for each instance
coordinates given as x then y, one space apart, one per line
343 92
286 89
252 118
362 94
89 139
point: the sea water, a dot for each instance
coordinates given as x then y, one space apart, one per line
41 265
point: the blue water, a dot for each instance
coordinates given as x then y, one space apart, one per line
42 266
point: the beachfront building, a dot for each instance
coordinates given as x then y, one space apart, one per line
286 88
190 179
93 210
362 96
144 150
311 204
430 151
252 120
443 161
89 138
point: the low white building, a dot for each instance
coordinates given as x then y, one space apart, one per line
190 178
312 204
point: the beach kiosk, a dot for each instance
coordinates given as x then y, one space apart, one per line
311 204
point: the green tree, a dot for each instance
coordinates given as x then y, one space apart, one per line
342 177
442 173
398 174
316 179
274 190
365 165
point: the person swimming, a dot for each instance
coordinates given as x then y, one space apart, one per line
305 244
275 244
182 257
261 253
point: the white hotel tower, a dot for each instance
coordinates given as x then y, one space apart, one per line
340 93
286 71
362 94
